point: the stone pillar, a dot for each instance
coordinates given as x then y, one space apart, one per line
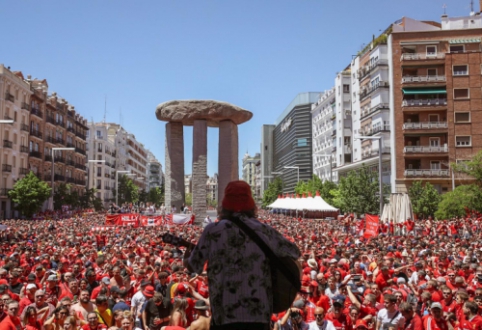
228 156
199 168
174 186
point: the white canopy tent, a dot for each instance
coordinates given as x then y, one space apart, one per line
304 203
399 208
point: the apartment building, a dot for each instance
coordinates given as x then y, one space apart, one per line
54 123
101 161
266 151
249 169
187 183
323 117
436 93
14 105
212 187
154 172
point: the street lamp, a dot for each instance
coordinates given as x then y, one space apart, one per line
380 144
52 173
331 169
297 168
116 183
88 170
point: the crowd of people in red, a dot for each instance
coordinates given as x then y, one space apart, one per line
418 275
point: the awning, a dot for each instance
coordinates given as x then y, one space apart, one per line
419 91
464 41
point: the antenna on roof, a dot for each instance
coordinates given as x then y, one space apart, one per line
445 8
120 116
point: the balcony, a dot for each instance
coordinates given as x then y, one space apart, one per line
422 56
107 164
70 163
23 171
48 158
36 133
98 187
24 127
60 123
80 182
35 154
50 139
364 71
80 135
80 166
423 79
375 130
367 91
424 102
347 149
7 117
80 151
70 180
24 149
60 141
426 125
9 97
70 129
374 152
4 191
378 107
59 159
426 173
50 120
37 112
7 144
425 149
333 133
6 168
25 106
70 145
59 177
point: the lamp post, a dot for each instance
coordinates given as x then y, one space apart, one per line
380 144
297 168
52 173
88 170
116 184
331 169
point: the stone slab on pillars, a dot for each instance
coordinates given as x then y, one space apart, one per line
199 168
228 156
174 188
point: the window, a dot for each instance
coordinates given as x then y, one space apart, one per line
434 141
457 49
462 117
433 118
431 72
463 141
460 70
461 93
346 88
431 50
435 165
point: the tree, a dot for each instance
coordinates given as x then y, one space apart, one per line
127 190
472 168
457 202
61 196
29 194
142 195
210 201
425 199
274 189
154 196
188 199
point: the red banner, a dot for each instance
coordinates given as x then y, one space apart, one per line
126 219
371 225
151 220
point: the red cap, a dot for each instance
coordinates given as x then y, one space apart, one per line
361 323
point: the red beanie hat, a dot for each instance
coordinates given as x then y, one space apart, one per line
237 197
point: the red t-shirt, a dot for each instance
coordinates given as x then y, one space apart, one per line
475 323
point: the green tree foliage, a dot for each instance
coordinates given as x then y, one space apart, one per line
472 168
29 193
128 191
425 199
210 201
155 196
188 199
456 202
143 195
274 189
359 190
326 189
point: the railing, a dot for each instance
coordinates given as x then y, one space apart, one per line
7 144
347 149
70 145
365 70
424 102
37 112
36 133
364 93
380 106
24 149
70 180
60 123
422 56
25 106
6 168
80 166
425 149
427 173
59 159
80 135
423 79
375 130
35 154
70 163
60 141
60 107
9 97
48 158
24 127
50 139
4 191
107 163
50 120
70 129
80 151
426 125
59 177
80 182
374 152
23 171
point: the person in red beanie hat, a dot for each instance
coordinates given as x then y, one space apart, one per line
236 264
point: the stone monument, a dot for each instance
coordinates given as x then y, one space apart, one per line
200 114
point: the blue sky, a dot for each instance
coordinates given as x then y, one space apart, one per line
255 54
